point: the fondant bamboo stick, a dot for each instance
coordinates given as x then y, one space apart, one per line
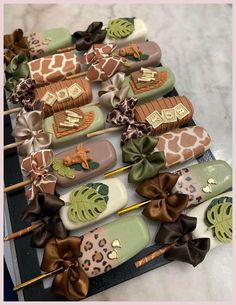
22 232
12 145
146 259
37 279
103 131
13 110
17 186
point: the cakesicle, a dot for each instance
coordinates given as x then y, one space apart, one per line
218 209
82 162
68 126
92 202
203 181
48 42
150 83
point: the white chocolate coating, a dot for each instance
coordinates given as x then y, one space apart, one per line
201 229
139 34
118 198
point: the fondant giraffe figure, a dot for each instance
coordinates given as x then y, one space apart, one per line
183 144
54 67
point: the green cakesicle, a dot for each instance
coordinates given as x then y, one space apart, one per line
113 244
204 181
97 123
48 42
157 92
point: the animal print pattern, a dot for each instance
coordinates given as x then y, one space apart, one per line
95 249
37 45
182 144
54 67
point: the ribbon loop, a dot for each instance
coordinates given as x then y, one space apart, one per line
94 34
36 166
29 127
163 206
147 163
185 249
44 208
73 282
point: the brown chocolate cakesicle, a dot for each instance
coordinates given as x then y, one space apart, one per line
64 94
165 114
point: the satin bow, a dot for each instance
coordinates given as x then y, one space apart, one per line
24 94
16 70
163 206
36 166
72 282
185 249
94 34
15 44
123 114
102 63
29 128
146 162
44 209
112 93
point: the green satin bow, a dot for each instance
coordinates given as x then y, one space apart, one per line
16 70
147 163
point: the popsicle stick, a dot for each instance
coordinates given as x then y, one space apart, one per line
13 110
117 171
17 186
22 232
12 145
103 131
146 259
68 49
133 207
37 279
76 75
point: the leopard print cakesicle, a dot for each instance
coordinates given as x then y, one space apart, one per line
113 244
91 202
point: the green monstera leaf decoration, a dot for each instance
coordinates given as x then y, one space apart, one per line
62 170
87 202
218 217
120 28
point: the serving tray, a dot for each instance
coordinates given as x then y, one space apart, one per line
27 259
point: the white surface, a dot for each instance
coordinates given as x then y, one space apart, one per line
118 198
202 229
196 44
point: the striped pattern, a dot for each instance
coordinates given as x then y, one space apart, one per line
144 110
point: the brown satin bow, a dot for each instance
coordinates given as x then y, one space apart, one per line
44 209
123 114
72 282
179 233
29 128
15 44
103 64
163 206
36 166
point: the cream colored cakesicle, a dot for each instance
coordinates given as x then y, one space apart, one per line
92 202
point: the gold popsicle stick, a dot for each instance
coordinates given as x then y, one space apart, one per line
66 49
13 110
12 145
17 186
76 75
37 279
132 207
117 171
22 232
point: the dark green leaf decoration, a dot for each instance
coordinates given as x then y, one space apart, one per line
92 165
62 169
141 57
120 28
87 202
218 217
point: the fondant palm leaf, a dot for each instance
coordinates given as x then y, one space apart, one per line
120 28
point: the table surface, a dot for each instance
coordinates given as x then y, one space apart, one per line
196 44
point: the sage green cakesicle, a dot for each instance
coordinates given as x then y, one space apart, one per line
48 42
66 140
113 244
147 94
204 181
